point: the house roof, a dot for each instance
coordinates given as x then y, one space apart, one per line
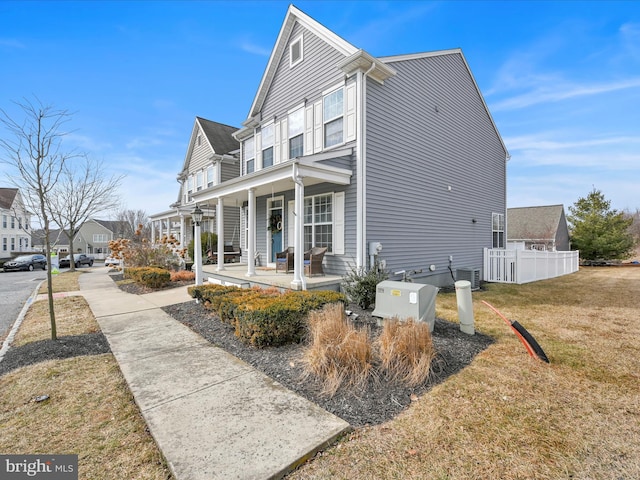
219 136
57 236
115 226
7 196
534 223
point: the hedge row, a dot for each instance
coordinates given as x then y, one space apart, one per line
153 277
264 317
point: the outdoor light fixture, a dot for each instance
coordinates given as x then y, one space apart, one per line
196 215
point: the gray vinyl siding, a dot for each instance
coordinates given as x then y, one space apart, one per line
200 154
229 171
427 130
307 80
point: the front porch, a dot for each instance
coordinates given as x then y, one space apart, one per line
236 274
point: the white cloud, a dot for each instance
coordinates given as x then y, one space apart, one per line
553 92
247 45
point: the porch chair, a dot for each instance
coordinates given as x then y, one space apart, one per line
313 261
284 260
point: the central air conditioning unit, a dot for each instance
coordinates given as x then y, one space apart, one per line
471 275
406 300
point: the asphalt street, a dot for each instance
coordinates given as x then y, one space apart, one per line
15 289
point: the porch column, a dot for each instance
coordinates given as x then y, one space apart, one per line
251 247
161 226
182 242
298 229
220 232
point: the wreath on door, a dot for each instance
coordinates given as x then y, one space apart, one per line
275 223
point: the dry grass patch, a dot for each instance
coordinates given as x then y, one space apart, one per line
406 351
63 282
90 412
339 354
510 416
73 317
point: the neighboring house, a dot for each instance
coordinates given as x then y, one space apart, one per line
344 150
211 159
15 233
538 228
94 236
58 240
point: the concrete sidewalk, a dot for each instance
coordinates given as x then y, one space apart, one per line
212 415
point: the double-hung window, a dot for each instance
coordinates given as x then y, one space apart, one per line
333 118
199 180
13 222
267 145
189 188
100 237
296 133
318 222
249 155
210 176
497 227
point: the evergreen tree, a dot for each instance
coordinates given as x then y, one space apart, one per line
599 232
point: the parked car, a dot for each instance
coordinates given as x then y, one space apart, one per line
26 262
79 259
111 262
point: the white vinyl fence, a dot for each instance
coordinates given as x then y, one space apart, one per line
524 266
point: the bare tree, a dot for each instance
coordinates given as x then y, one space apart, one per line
82 192
33 150
133 219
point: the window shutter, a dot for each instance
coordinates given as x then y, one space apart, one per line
350 113
317 127
258 165
284 141
290 225
308 130
276 143
338 223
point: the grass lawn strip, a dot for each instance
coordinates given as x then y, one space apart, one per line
90 411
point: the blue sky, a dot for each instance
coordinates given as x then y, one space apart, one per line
561 79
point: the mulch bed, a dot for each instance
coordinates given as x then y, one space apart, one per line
380 400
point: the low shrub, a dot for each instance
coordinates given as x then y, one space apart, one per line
182 276
152 277
205 293
360 285
338 353
406 350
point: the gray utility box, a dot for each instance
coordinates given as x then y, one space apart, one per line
406 300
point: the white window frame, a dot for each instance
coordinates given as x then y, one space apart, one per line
211 176
199 180
328 120
100 238
266 145
497 228
295 133
249 155
313 224
299 39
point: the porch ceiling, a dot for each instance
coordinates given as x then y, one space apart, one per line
277 178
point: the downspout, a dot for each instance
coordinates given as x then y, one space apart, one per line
298 255
361 169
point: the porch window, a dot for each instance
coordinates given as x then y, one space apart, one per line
249 155
333 118
498 230
267 145
13 244
296 130
210 176
318 222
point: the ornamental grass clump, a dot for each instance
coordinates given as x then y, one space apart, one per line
406 351
338 353
182 276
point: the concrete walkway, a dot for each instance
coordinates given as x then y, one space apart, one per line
212 415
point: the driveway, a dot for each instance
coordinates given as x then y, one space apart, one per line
15 289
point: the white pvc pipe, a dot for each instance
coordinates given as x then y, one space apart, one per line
465 306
